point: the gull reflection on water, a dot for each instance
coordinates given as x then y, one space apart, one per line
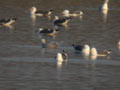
59 70
104 13
33 17
93 57
93 73
10 27
59 65
81 17
43 51
49 17
86 56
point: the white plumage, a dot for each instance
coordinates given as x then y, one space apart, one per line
93 51
86 50
67 13
104 6
34 11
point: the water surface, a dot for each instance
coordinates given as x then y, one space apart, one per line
25 65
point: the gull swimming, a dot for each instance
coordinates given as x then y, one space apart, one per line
62 56
61 21
85 49
67 13
7 22
36 12
47 31
105 5
102 53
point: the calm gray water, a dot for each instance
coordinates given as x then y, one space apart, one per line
24 65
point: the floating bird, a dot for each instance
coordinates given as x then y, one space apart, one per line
62 56
104 10
61 21
47 31
103 53
7 22
34 11
59 59
86 50
67 13
48 45
93 51
104 6
81 48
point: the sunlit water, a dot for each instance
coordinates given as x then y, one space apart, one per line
25 65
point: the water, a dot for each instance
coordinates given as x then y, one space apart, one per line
24 65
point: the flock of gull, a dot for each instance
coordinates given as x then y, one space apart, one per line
63 21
